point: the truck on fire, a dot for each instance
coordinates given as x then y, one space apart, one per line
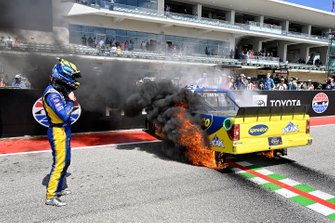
233 129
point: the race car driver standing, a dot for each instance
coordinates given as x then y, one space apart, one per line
58 102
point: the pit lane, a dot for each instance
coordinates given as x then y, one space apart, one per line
137 183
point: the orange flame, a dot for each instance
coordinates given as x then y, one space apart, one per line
191 137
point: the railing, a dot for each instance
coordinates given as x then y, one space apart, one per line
305 36
140 54
252 26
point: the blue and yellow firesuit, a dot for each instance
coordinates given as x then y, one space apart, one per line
58 111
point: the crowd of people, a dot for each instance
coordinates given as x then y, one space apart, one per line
9 41
113 46
251 54
269 83
19 81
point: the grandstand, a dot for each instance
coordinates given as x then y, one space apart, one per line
256 34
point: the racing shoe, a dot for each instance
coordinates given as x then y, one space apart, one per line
63 193
55 202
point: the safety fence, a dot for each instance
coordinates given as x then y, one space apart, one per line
19 108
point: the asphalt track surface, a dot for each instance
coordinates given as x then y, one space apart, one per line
138 183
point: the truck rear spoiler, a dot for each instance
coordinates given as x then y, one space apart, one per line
272 111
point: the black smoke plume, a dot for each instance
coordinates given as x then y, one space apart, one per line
26 14
162 101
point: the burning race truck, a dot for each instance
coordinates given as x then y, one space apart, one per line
207 126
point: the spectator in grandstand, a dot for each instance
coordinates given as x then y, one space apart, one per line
261 85
126 45
122 46
113 42
96 42
143 45
292 84
2 41
19 82
300 85
228 82
232 53
252 54
2 82
111 5
16 42
319 86
318 62
241 83
9 42
113 50
330 84
84 2
84 40
6 80
107 43
251 84
310 86
269 84
90 41
101 46
119 51
281 86
208 51
131 45
203 81
301 61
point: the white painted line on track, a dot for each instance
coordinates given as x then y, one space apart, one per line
81 147
321 195
264 171
322 125
289 182
315 200
244 163
237 170
259 180
286 193
321 209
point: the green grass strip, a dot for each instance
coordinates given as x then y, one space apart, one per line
305 188
332 200
332 216
302 200
247 175
276 176
271 186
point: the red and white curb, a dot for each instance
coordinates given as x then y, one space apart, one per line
302 194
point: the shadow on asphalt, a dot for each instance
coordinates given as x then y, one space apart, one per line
45 180
263 161
162 150
167 151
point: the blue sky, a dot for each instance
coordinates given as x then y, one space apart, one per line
325 5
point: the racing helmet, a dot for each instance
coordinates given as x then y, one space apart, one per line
65 73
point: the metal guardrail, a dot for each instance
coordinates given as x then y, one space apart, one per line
140 54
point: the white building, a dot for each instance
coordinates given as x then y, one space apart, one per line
251 34
285 30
